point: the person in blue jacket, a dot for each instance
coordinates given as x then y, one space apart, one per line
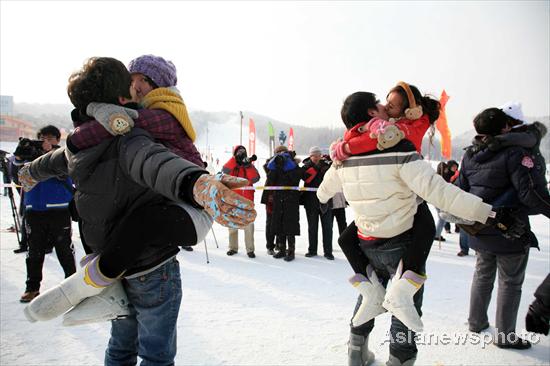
48 221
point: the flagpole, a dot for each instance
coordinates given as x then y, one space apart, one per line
241 140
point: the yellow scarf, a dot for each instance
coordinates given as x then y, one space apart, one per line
170 101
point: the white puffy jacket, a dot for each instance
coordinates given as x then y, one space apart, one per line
382 189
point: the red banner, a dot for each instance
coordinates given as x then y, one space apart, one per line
251 137
291 139
443 127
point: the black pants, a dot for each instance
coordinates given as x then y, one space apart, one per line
46 229
145 226
340 215
313 213
269 234
415 255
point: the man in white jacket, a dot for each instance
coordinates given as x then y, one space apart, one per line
384 190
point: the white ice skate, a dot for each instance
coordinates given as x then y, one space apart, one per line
399 298
373 294
87 281
110 304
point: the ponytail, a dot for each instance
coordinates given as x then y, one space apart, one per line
431 107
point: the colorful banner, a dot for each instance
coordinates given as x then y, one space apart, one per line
443 127
271 133
291 139
251 137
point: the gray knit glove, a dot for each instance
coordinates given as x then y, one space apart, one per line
114 118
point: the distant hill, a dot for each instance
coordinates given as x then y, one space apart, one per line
224 129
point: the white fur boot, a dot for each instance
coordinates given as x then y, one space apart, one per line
87 281
399 298
372 292
110 304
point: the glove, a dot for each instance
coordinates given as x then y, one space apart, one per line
534 321
338 152
115 119
26 180
323 207
213 192
507 222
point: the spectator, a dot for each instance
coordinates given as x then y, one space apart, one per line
240 165
267 200
315 167
283 170
48 221
447 171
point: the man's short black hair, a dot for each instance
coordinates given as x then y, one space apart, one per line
49 130
101 79
491 122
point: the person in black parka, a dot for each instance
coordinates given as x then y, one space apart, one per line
285 217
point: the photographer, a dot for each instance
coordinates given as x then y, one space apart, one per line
240 165
47 214
315 168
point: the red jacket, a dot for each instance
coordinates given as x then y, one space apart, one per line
247 171
360 143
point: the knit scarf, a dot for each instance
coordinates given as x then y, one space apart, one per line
170 101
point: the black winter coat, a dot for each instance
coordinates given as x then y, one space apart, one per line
313 176
118 176
492 175
285 219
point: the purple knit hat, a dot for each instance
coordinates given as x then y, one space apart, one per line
161 71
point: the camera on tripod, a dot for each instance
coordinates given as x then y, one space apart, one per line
28 149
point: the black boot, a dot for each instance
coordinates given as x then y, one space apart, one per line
291 246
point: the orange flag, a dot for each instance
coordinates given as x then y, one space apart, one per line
443 127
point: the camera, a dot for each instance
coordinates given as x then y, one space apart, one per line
243 159
28 149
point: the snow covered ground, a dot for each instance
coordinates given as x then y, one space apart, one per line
264 311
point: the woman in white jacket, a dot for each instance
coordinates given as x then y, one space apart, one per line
384 189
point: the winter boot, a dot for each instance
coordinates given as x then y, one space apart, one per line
394 361
290 252
358 351
87 281
399 298
372 292
110 304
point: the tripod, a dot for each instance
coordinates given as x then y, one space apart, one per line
5 172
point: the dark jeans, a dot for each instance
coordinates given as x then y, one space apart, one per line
313 214
385 259
150 331
47 229
511 273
